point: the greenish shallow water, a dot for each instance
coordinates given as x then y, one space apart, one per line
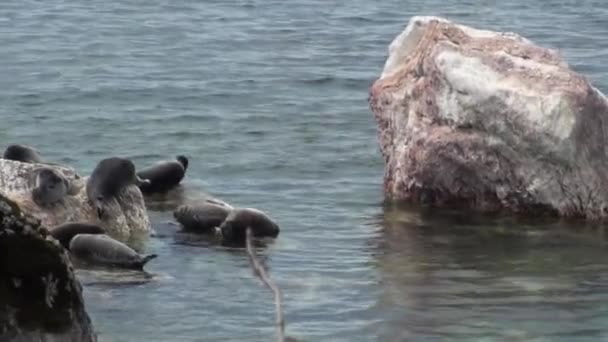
268 98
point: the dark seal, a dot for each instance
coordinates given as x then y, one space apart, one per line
201 218
234 227
102 250
65 232
108 179
22 153
164 175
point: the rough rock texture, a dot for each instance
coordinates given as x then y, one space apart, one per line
489 121
40 298
126 217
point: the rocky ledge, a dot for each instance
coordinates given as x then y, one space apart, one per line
40 298
489 121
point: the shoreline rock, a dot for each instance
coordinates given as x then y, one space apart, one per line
40 297
491 122
127 218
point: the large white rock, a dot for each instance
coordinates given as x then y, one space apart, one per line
489 121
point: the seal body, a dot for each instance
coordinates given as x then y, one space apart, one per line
202 218
65 232
22 153
103 250
234 227
163 176
49 186
108 179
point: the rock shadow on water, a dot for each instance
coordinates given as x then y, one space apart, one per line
170 200
465 275
98 275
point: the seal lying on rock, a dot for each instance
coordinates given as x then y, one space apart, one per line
202 218
65 232
108 179
163 175
100 249
88 243
50 186
22 153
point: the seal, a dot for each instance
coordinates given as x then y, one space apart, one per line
65 232
49 186
107 181
202 218
164 175
22 153
234 227
100 249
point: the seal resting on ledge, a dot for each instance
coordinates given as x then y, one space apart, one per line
125 215
491 122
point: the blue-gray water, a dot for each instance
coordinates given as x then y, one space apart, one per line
268 98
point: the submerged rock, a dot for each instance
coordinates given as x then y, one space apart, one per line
489 121
40 298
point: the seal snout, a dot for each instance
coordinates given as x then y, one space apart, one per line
183 160
141 181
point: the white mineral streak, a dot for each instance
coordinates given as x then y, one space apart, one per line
491 121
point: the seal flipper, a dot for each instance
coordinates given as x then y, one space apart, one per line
98 205
141 181
143 261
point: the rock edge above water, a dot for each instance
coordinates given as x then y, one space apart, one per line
489 121
40 297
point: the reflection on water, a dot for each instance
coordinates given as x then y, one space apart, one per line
456 276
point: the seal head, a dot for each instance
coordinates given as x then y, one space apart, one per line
22 153
50 186
234 227
109 178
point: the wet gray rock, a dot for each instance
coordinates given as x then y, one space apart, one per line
489 121
40 298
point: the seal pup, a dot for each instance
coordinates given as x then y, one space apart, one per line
22 153
234 227
108 179
65 232
100 249
163 175
202 218
49 186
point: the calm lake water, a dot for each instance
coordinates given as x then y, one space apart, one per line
269 100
